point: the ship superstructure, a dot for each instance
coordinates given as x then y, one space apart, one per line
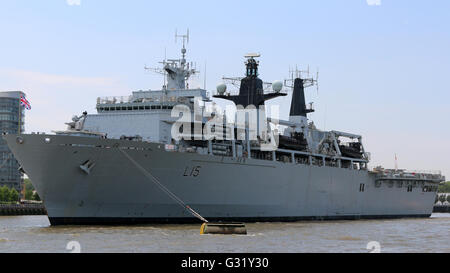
229 174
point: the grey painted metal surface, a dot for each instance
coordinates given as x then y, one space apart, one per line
223 188
84 177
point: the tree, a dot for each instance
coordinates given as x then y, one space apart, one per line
28 185
30 191
442 198
7 194
28 194
448 198
13 195
36 197
3 193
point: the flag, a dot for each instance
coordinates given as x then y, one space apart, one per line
25 103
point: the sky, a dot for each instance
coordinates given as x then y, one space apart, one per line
384 64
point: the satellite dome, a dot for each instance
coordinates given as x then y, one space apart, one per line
221 88
277 86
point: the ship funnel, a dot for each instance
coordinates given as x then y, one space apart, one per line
298 104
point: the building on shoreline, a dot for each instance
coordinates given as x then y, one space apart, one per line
12 117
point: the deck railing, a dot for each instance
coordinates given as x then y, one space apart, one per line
411 174
131 99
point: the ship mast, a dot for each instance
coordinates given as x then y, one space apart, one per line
176 71
251 90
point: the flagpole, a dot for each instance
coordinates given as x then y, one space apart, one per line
396 163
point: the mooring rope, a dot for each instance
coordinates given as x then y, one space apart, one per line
163 188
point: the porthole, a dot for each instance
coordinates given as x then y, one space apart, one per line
19 140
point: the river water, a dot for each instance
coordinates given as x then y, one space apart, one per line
34 234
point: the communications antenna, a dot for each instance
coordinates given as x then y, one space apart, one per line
185 40
176 72
305 75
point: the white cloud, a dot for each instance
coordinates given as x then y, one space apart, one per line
73 2
373 2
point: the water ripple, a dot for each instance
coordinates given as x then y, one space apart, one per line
34 234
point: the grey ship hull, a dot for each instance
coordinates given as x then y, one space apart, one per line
219 188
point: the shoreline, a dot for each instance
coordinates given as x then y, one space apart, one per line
22 209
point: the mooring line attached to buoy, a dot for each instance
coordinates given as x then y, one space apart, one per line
163 188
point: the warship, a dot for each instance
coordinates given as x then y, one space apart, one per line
133 160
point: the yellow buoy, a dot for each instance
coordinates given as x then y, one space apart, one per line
223 228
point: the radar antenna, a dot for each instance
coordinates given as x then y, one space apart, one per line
252 55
